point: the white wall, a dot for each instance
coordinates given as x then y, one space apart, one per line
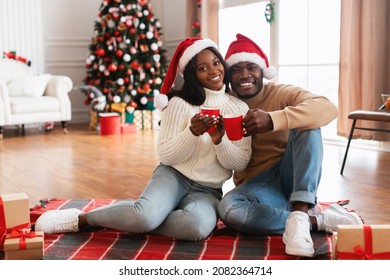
69 27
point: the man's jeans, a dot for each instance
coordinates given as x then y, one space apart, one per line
262 204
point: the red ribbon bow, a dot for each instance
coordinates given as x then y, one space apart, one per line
364 254
23 234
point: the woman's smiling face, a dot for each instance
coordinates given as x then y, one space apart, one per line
209 70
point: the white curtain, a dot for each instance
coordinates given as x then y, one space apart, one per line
21 30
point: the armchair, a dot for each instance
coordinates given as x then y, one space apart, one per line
27 98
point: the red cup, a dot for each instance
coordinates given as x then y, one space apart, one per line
210 112
233 126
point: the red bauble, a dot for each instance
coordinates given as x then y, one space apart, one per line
119 53
100 52
146 88
115 16
134 65
148 65
112 67
133 104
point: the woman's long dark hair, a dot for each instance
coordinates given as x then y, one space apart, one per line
192 91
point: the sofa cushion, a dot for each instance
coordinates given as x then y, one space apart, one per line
29 85
26 105
11 68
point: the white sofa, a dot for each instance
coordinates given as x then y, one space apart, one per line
27 98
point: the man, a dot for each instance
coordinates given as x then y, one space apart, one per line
279 186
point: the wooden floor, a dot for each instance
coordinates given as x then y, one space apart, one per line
83 164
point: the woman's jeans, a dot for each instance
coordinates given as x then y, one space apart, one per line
171 205
262 204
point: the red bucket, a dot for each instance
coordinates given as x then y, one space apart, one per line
110 123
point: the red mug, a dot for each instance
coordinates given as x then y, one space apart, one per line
233 126
210 112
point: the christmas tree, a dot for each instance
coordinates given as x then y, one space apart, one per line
126 62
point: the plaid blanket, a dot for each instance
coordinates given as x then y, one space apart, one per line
107 244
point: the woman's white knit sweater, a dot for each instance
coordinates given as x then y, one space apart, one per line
197 157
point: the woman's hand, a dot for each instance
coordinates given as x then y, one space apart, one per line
217 135
201 123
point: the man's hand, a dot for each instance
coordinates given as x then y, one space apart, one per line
257 121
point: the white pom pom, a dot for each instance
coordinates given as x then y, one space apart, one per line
160 101
269 73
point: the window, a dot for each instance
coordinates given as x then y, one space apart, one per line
246 19
305 35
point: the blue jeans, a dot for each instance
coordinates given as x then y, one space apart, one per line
262 204
171 205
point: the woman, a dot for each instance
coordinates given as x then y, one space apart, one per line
180 200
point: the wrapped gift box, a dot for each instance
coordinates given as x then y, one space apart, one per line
24 246
143 119
362 242
93 120
128 128
14 210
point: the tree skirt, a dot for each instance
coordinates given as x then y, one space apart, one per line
108 244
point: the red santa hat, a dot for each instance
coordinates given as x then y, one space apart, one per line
244 49
185 51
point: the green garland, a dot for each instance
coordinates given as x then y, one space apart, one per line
269 12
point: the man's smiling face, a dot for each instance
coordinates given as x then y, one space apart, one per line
246 79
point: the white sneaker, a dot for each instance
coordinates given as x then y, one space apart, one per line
59 221
337 215
297 236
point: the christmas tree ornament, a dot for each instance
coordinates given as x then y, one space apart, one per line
120 81
144 100
112 67
116 99
100 52
119 53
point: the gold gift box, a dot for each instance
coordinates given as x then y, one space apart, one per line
362 242
16 209
143 119
33 250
